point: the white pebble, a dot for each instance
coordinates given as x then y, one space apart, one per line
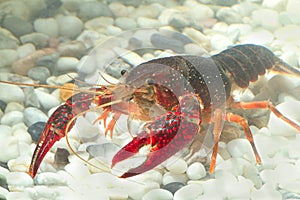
240 148
50 178
69 26
8 57
145 22
47 26
77 170
171 177
20 164
14 106
267 191
288 33
18 195
126 23
293 9
19 179
176 165
25 50
158 194
189 192
132 57
196 171
12 118
275 4
220 42
266 18
46 100
15 93
22 135
67 63
259 37
5 131
33 115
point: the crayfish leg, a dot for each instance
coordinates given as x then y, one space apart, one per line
264 105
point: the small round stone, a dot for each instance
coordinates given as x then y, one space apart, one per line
17 26
7 57
9 149
67 63
196 171
69 26
126 23
19 179
33 115
40 40
188 192
47 26
12 118
158 194
35 130
173 187
39 73
176 165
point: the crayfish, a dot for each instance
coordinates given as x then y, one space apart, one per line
173 95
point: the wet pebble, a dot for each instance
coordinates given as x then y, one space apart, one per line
7 57
173 186
18 179
267 18
188 192
48 26
10 149
39 73
196 171
170 177
158 194
40 40
93 9
267 191
126 23
69 26
8 41
67 63
47 100
61 157
176 165
17 25
50 178
72 49
12 118
163 42
145 22
118 9
25 50
5 131
14 106
33 115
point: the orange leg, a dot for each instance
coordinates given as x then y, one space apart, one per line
264 105
112 124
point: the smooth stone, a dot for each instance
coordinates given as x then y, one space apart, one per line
71 49
22 135
47 100
240 148
39 73
126 23
266 18
163 42
158 194
67 63
178 21
278 5
14 106
150 11
77 170
3 193
220 42
99 24
228 15
33 115
25 50
93 9
116 67
48 60
196 171
118 9
40 40
176 165
90 38
69 26
198 12
50 178
21 179
10 149
8 57
132 58
145 22
170 177
173 186
293 9
35 130
20 164
189 192
166 14
259 37
48 26
12 118
17 25
5 131
197 36
267 191
8 40
288 33
18 195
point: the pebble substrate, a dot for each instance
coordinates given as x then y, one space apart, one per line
44 40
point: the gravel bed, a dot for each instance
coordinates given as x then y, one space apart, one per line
55 42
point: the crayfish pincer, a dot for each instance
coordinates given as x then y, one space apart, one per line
173 96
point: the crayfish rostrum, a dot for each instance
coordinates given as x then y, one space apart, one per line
173 95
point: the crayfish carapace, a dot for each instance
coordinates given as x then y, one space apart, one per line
178 112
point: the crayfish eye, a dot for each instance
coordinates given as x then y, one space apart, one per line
149 81
123 72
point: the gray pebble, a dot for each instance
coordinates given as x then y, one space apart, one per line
7 40
17 25
33 115
67 64
228 15
69 26
61 157
126 23
35 130
173 187
8 57
48 61
39 73
47 26
164 42
178 21
2 105
40 40
72 49
93 9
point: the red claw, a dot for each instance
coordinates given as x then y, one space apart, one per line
56 127
167 135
